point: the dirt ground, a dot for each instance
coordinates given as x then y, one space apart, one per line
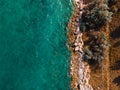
115 50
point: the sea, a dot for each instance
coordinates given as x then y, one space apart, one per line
33 44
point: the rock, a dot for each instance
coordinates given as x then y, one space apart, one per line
77 19
76 44
76 48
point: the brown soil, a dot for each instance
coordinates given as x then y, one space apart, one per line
115 50
99 75
74 55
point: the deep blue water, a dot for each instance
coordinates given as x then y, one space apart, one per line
33 52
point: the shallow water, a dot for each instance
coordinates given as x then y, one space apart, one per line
33 52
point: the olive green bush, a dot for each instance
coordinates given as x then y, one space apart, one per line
96 49
97 15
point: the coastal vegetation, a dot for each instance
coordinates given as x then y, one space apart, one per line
112 2
95 52
96 15
102 43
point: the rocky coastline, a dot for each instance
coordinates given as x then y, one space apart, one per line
80 71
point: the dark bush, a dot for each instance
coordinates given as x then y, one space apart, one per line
116 33
116 44
112 2
117 80
95 52
116 66
97 15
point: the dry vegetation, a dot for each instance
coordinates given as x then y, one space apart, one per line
101 46
106 75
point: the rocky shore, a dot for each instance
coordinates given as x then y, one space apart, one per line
80 70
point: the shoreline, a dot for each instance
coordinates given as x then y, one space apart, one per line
80 71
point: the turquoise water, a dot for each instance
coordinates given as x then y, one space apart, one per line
33 52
